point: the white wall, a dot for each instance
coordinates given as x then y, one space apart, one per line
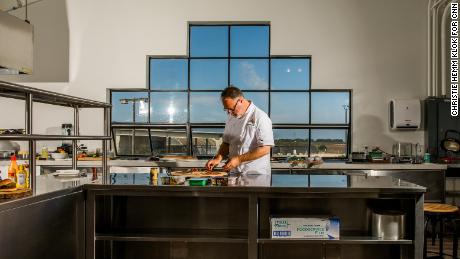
377 48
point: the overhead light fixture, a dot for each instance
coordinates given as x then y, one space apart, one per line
16 46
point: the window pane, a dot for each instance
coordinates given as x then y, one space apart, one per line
209 41
122 109
168 108
259 99
249 74
124 142
290 142
249 41
289 107
206 107
206 141
169 141
168 74
208 74
329 142
290 74
338 105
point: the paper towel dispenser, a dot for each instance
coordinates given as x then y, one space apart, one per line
16 45
405 114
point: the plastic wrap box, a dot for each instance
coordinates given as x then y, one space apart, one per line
304 227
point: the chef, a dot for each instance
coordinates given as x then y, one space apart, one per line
248 136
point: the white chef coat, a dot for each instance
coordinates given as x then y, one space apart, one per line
252 130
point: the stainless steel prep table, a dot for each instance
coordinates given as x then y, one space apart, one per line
233 222
131 221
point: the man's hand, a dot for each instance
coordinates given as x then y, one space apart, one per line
212 163
232 163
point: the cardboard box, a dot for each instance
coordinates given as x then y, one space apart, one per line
304 227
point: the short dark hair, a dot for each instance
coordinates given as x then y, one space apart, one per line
231 92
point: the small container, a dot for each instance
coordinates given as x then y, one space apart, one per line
388 225
358 156
166 180
219 181
23 155
427 158
44 153
198 181
376 155
57 156
232 180
173 180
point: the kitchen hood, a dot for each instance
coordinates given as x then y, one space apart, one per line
16 45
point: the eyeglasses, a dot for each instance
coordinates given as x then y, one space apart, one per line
227 110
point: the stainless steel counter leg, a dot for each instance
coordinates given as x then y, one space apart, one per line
105 174
253 223
90 225
419 228
76 121
32 143
32 166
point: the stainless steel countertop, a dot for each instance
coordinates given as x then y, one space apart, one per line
201 163
313 183
369 186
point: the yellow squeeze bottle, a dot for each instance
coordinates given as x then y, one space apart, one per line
154 176
21 177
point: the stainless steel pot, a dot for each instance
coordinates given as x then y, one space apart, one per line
6 145
388 225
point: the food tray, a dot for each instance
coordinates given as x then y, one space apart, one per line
198 181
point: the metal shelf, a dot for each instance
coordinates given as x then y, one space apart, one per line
358 240
453 193
176 235
31 95
52 137
11 90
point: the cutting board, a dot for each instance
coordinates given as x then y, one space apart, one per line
199 173
15 193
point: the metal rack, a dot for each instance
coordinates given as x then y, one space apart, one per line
31 95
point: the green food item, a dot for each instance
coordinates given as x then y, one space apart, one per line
198 181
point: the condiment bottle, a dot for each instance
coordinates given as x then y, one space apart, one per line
21 177
13 169
154 175
44 154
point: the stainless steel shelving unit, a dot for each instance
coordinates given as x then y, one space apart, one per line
234 222
31 95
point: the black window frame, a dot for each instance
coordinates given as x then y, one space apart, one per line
189 125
